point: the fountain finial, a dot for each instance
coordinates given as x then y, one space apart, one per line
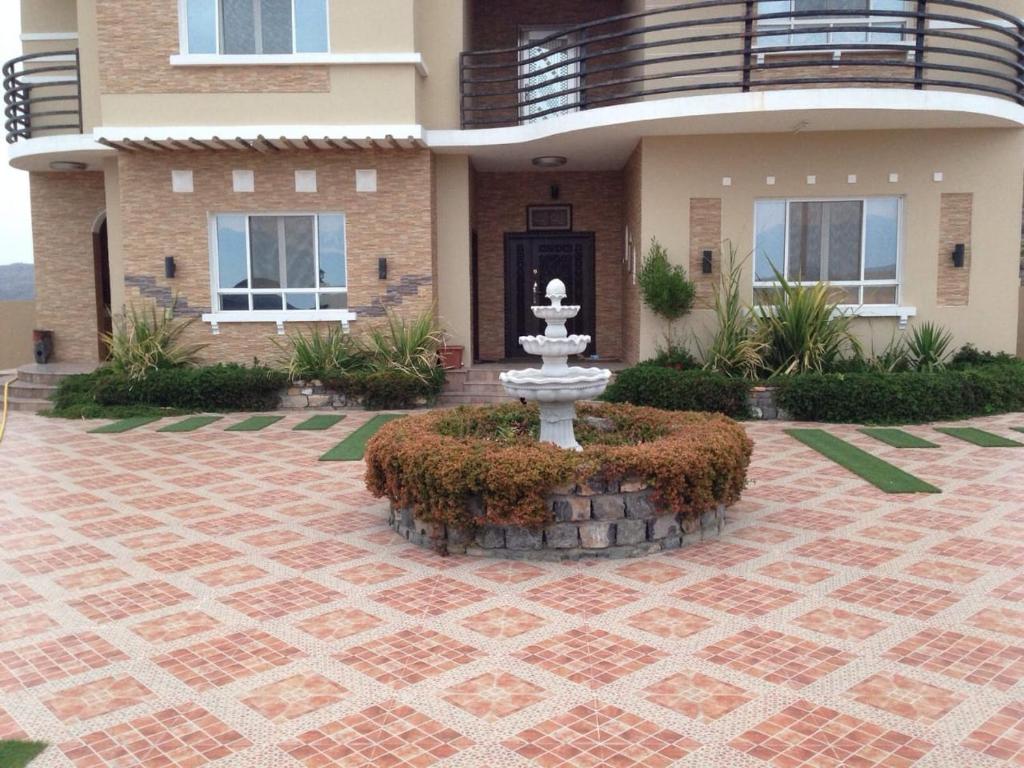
556 292
556 387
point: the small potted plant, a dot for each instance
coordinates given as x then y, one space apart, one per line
450 355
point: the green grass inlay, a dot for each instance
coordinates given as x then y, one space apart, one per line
881 474
897 438
124 425
353 447
319 422
191 424
979 437
18 754
254 424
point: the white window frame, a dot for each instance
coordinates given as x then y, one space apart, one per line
895 308
793 24
529 35
279 316
183 35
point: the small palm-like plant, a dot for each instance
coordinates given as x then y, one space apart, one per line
893 358
803 328
928 347
319 353
147 340
735 349
406 345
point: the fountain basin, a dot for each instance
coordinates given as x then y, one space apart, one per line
576 384
546 346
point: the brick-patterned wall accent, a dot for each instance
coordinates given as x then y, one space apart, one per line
705 234
632 183
500 207
395 222
497 26
955 213
137 37
64 208
761 79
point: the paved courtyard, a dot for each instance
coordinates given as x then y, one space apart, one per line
172 600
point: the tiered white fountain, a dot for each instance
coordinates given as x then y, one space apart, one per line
556 386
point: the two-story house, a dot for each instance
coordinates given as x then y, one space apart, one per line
273 163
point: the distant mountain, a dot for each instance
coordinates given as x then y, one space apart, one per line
17 282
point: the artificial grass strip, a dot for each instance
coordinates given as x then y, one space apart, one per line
897 438
353 447
124 425
191 424
18 754
254 424
979 437
318 423
881 474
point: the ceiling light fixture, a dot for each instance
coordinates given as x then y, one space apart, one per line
67 165
550 161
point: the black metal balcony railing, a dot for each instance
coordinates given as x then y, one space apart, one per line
42 95
726 46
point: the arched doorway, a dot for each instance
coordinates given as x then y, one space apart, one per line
101 271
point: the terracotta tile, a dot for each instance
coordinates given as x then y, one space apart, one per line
43 662
509 572
937 570
668 622
339 624
1001 737
230 575
17 595
981 551
846 552
317 554
905 697
590 657
506 621
1004 620
84 702
795 572
223 660
58 559
1011 590
175 626
891 533
902 598
124 602
294 696
371 573
737 596
494 695
408 657
776 657
697 696
280 598
717 554
20 626
962 657
432 596
840 624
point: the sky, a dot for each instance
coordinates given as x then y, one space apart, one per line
15 215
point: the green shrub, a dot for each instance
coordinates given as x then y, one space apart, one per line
408 346
903 397
969 355
663 285
109 392
384 389
927 349
735 349
147 340
673 390
675 356
320 353
803 330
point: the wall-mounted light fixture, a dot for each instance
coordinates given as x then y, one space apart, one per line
382 269
555 192
550 161
169 266
705 262
958 255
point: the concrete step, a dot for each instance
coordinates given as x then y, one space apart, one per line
52 373
30 390
27 404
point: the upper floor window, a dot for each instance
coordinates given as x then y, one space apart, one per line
844 22
852 244
236 27
549 67
279 263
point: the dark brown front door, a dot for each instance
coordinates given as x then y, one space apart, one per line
533 260
101 271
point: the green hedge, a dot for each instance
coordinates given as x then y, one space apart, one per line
903 398
670 389
210 388
385 389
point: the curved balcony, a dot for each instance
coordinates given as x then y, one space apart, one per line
742 46
42 95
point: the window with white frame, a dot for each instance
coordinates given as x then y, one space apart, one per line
786 30
291 262
852 244
240 27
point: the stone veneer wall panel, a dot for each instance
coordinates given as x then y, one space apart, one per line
705 234
395 222
955 217
65 206
137 37
633 191
500 206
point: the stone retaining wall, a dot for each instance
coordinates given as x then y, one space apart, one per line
762 405
611 520
313 394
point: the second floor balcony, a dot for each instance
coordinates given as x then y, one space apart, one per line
42 95
742 46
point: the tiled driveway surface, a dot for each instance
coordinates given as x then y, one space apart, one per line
186 599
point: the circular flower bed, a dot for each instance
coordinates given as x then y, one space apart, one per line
463 479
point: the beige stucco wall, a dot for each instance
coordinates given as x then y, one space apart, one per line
17 319
440 29
1020 326
988 164
452 199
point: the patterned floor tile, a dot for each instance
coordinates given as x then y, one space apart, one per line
795 572
62 657
737 596
717 554
318 554
188 556
590 657
294 696
805 734
580 595
1001 737
507 621
432 596
339 624
903 598
776 657
123 602
223 660
667 621
962 657
371 573
936 570
846 552
84 702
408 657
905 697
388 734
230 575
175 626
840 624
653 571
280 598
20 626
58 559
697 696
494 695
1012 590
1004 620
597 734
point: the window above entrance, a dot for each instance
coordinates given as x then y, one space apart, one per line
255 27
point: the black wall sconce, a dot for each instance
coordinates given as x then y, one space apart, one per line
169 266
382 269
705 262
555 192
958 255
